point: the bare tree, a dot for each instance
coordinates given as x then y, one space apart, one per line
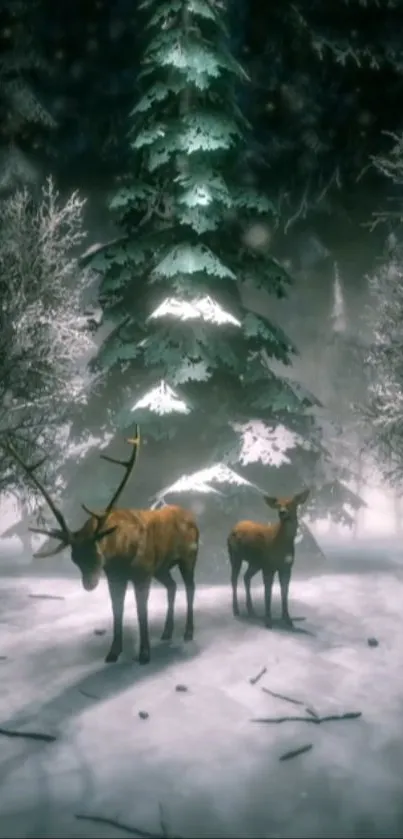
44 340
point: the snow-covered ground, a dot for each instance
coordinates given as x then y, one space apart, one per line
198 766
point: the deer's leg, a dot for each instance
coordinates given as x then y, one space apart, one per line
165 578
188 576
142 592
284 575
236 562
117 590
250 572
268 577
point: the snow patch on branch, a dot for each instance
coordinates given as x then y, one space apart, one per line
204 308
162 400
269 445
203 481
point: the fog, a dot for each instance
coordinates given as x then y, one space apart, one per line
326 301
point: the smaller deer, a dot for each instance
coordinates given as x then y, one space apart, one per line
268 548
128 546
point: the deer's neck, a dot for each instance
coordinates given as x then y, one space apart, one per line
287 531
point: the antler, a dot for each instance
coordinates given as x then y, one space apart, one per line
64 533
128 466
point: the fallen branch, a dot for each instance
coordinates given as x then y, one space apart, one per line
293 701
88 694
312 713
163 824
46 597
119 826
126 828
351 715
255 679
283 696
29 735
296 752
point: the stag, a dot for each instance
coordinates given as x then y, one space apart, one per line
128 546
268 548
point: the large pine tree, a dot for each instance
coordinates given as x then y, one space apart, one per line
25 118
185 358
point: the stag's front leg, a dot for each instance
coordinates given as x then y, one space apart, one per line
142 591
117 585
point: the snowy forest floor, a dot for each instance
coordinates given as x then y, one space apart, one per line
197 766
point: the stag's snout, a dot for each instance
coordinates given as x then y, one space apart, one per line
90 581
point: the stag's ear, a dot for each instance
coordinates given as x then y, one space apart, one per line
103 533
271 501
301 497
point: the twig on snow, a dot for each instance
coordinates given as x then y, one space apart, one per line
254 680
29 735
293 701
126 828
295 752
283 696
312 713
87 694
163 824
351 715
46 597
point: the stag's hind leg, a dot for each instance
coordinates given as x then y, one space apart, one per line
165 578
187 571
235 559
142 591
117 585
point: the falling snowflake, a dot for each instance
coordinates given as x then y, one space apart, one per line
258 236
202 309
162 400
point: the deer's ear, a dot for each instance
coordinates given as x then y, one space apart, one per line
271 501
301 497
103 533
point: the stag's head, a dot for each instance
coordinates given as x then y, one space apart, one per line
86 544
287 508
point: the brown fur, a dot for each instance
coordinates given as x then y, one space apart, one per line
128 546
269 548
140 545
148 540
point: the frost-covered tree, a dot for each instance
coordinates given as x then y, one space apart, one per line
44 341
24 113
188 361
383 409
